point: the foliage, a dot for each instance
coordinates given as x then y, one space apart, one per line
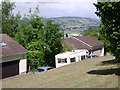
43 41
103 39
9 21
91 32
53 34
69 47
109 12
31 35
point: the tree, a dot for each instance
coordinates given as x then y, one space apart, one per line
31 35
9 21
42 41
69 47
102 37
91 32
109 12
53 34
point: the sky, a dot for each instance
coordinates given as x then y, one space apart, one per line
57 8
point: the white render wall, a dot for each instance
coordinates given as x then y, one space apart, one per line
102 51
22 66
76 54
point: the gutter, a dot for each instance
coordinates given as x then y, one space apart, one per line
14 54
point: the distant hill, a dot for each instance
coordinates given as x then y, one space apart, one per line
75 24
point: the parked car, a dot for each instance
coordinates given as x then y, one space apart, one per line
41 69
89 56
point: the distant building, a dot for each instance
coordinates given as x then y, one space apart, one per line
70 35
13 57
94 46
63 59
85 46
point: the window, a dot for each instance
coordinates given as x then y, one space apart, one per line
59 60
40 70
49 68
82 57
3 44
62 60
72 59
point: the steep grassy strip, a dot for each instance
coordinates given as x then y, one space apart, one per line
96 72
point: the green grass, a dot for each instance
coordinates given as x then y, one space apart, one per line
90 73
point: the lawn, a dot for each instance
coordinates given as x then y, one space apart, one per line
99 72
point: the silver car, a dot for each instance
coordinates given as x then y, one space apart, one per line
41 69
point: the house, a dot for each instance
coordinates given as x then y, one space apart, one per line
63 59
13 57
94 46
84 46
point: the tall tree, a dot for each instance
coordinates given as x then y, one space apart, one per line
109 12
9 20
43 41
31 35
103 38
53 34
91 32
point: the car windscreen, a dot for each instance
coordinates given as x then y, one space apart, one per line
49 68
40 70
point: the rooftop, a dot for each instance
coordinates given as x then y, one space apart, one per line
84 42
12 47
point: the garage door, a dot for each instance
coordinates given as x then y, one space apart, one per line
10 68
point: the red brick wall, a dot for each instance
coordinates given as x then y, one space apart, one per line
97 52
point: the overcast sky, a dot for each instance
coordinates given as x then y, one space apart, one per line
58 8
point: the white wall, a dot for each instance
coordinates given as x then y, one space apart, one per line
76 54
22 66
102 51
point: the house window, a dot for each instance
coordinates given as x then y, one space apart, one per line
59 60
62 60
72 59
82 57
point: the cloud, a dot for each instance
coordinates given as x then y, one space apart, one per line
58 8
69 11
53 0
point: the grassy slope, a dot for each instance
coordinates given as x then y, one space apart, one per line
70 76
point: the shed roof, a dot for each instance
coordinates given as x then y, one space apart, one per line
12 47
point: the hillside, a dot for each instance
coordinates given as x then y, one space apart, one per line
75 24
99 72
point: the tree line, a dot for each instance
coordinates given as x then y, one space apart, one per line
109 29
43 41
